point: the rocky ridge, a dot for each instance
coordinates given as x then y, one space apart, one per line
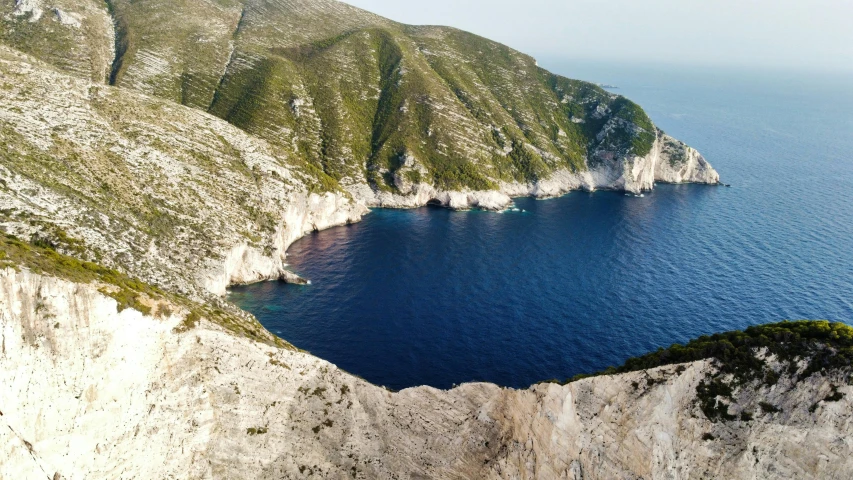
397 115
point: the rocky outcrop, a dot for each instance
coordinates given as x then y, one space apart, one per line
679 163
669 161
89 392
31 8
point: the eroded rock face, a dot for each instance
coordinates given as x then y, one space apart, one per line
33 8
88 392
679 163
304 213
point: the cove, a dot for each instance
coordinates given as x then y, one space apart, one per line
576 284
571 285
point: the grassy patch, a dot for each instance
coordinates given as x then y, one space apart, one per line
41 258
256 431
127 291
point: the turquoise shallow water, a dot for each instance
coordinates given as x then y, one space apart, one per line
582 282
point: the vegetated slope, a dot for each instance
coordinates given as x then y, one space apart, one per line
755 359
359 103
376 103
74 35
171 194
368 98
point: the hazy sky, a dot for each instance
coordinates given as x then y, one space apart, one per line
786 33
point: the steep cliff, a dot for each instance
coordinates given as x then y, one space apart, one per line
178 197
91 392
678 163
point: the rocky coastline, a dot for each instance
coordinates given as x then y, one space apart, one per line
150 160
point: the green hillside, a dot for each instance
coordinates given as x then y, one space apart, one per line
364 98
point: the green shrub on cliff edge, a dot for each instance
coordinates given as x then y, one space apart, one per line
825 347
128 292
41 257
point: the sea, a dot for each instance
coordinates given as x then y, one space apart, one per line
579 283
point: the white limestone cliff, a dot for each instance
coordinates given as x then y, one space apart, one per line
304 213
679 163
90 393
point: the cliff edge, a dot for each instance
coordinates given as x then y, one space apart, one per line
94 391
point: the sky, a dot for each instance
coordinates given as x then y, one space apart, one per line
790 34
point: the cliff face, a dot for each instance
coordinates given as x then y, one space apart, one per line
89 392
668 161
304 213
679 163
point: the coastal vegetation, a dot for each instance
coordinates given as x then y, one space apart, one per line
821 344
353 96
754 358
41 257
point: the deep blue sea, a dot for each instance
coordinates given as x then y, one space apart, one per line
579 283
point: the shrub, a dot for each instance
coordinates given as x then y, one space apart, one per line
825 346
